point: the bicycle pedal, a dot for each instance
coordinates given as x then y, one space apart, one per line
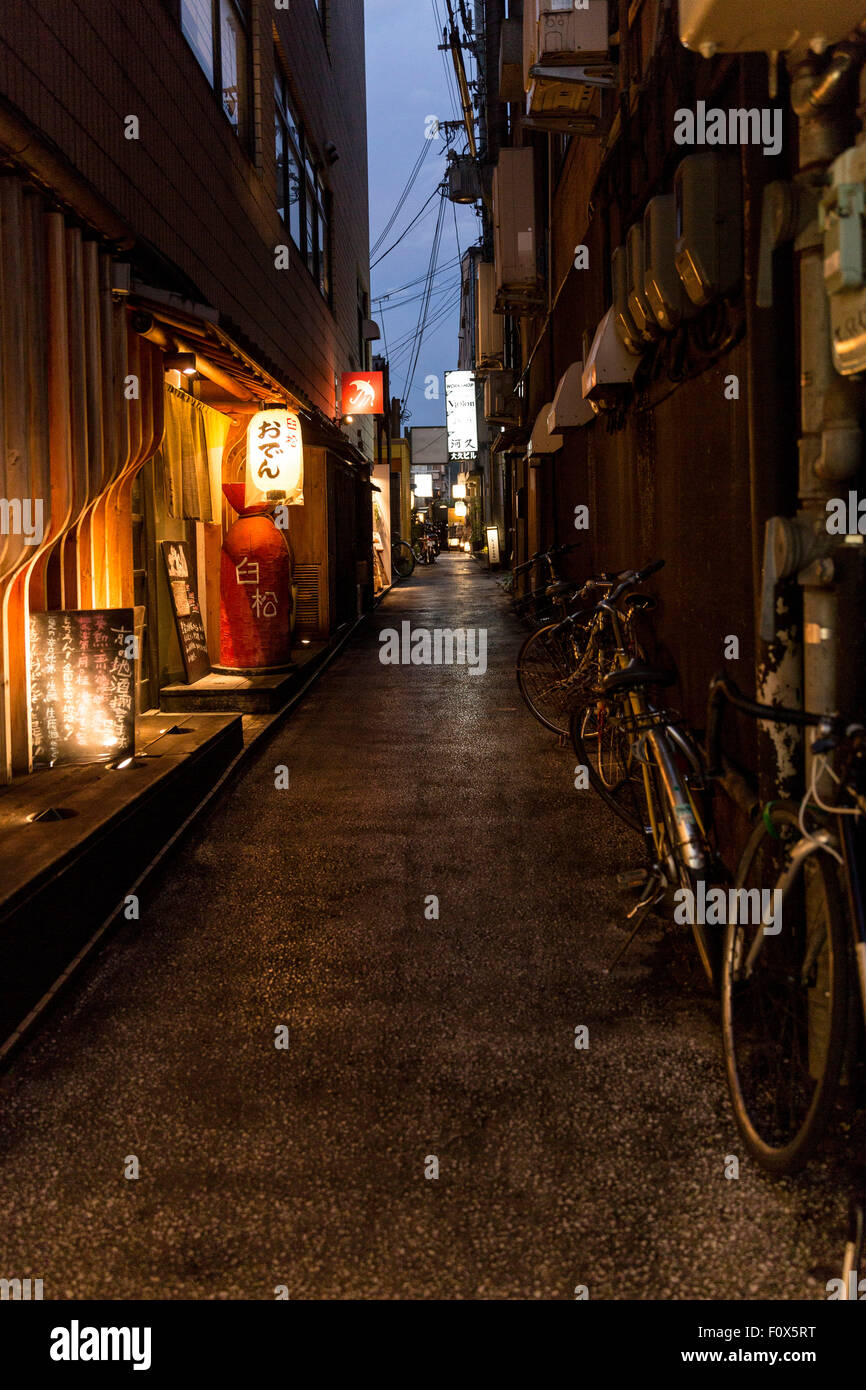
632 878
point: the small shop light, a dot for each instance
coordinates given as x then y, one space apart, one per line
348 419
275 457
467 545
459 508
183 362
458 490
305 641
124 762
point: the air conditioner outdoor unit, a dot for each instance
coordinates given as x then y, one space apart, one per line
565 51
519 287
489 326
500 406
558 32
563 106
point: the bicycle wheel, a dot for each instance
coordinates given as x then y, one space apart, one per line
402 559
546 664
785 1010
603 745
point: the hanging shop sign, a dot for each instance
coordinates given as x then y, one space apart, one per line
187 613
460 415
363 393
82 686
458 492
275 458
423 484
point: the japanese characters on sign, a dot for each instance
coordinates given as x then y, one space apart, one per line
187 614
363 393
264 604
82 686
460 415
275 458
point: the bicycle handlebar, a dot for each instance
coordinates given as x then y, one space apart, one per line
723 690
546 555
631 577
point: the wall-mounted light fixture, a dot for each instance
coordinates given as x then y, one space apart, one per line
183 362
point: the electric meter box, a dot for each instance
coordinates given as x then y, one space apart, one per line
842 219
709 225
770 26
622 319
662 285
637 301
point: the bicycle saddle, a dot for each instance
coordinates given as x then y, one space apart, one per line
644 602
633 675
562 586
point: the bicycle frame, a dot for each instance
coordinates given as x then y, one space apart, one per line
656 733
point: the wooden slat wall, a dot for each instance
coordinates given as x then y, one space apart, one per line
68 435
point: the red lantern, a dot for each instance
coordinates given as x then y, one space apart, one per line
255 590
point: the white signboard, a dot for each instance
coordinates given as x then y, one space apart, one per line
460 414
423 484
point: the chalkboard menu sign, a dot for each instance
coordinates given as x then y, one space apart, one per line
82 686
187 614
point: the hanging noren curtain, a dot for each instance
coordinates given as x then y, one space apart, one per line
191 457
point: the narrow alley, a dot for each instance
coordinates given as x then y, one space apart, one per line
427 908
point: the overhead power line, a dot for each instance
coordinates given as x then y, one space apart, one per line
436 191
410 183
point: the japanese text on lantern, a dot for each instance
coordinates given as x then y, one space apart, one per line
275 457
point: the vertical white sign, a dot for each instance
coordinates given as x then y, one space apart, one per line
460 415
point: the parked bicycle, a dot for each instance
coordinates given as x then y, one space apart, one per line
552 594
649 770
561 660
424 549
787 999
402 559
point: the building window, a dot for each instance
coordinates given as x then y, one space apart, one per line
302 199
216 31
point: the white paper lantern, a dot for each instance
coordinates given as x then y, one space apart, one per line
275 458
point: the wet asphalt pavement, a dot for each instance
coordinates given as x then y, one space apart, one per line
409 1038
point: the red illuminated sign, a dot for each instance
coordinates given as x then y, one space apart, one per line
363 393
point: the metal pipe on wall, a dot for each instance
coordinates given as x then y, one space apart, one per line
830 439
